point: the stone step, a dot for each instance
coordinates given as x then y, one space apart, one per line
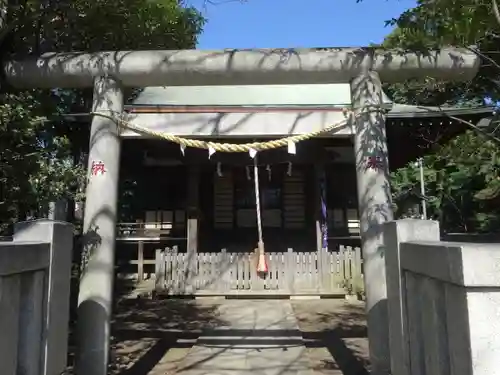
250 341
253 337
203 360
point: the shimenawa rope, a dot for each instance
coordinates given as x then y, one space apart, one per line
225 147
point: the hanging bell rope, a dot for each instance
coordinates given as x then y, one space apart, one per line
262 264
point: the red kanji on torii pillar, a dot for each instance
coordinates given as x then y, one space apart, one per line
374 162
97 168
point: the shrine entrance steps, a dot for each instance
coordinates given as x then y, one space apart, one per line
257 337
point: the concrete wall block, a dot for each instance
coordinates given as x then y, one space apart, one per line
396 232
59 235
444 319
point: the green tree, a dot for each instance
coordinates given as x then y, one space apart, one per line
41 157
462 184
468 23
462 176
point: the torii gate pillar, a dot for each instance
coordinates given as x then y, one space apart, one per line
374 204
96 284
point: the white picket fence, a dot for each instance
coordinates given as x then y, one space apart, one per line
289 273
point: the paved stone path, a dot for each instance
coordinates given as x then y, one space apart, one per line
258 338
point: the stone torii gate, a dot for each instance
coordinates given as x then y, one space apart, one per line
109 72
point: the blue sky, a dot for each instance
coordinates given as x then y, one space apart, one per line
296 23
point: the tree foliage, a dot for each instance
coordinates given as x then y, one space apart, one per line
462 176
93 25
42 157
462 184
467 23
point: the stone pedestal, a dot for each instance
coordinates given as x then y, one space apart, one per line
450 300
395 233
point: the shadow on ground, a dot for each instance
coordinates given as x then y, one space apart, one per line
335 334
147 332
151 337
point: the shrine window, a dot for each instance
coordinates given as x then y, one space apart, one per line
270 189
159 191
341 189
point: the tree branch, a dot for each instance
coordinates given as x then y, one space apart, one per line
468 123
496 12
482 55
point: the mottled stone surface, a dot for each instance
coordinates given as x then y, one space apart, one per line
260 337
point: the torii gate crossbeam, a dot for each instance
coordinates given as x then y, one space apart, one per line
238 67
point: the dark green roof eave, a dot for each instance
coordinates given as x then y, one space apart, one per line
398 111
404 111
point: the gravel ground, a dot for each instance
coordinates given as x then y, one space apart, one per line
153 336
341 328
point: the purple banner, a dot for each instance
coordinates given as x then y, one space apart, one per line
324 216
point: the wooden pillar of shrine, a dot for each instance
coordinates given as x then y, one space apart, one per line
192 211
319 170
